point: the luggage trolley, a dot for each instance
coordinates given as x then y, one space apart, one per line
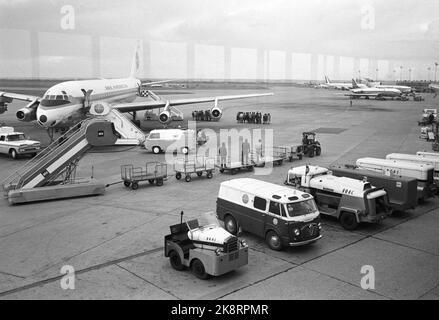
278 155
197 165
294 152
234 166
154 172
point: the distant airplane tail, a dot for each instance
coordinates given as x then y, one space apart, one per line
135 66
355 84
326 79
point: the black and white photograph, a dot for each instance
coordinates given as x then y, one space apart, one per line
223 153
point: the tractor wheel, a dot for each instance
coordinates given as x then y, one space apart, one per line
348 221
318 151
311 153
175 261
198 269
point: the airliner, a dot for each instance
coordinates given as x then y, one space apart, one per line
378 93
340 85
66 103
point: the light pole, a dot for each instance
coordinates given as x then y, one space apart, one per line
435 70
428 76
394 75
359 75
401 73
376 77
410 74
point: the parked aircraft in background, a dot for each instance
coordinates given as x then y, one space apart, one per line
67 103
340 85
378 93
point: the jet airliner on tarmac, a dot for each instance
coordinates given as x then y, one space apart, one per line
374 92
67 103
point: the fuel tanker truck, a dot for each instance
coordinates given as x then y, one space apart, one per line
207 250
349 200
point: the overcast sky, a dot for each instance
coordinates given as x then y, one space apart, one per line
402 30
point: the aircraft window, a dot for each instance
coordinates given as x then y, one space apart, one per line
2 138
59 97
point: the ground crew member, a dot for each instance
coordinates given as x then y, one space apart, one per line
245 151
223 155
258 150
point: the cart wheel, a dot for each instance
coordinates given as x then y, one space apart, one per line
250 168
151 181
126 183
178 176
233 171
134 185
221 170
159 182
200 173
175 261
198 269
209 175
188 178
348 221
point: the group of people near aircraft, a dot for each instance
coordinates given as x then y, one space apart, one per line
253 117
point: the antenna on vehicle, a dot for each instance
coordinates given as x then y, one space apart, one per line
181 217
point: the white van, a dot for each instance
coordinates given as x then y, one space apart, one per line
424 173
281 215
170 140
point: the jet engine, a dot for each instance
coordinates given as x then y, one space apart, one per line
165 117
216 113
3 107
28 113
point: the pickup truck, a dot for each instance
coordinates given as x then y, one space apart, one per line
16 144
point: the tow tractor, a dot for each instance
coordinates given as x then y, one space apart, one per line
207 250
310 146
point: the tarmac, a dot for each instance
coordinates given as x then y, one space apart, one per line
114 242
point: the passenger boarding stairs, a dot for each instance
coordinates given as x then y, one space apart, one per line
129 133
58 160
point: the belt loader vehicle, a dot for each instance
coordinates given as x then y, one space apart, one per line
280 215
402 191
422 172
207 250
349 200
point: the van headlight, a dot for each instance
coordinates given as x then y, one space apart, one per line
319 225
243 243
218 251
296 231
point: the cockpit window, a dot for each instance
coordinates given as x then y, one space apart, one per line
55 100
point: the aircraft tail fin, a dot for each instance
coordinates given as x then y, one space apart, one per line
355 84
135 65
326 79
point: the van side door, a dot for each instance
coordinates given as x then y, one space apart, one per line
259 212
274 219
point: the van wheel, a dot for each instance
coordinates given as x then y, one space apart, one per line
156 150
348 221
175 261
273 240
198 270
13 153
230 225
185 150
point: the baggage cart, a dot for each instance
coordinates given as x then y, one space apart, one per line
153 172
197 165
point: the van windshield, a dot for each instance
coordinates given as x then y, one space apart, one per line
300 208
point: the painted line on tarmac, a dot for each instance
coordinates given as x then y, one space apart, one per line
85 270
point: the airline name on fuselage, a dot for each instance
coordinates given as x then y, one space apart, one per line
116 87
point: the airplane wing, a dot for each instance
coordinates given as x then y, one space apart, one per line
154 82
362 94
147 105
17 96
